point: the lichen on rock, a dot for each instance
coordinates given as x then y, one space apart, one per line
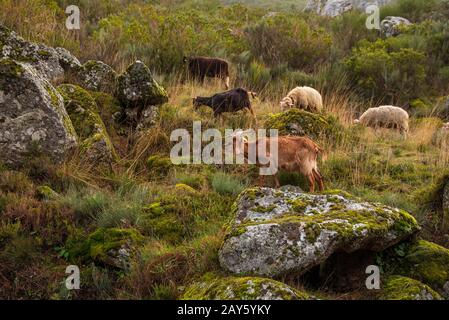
45 60
33 115
97 76
138 88
245 288
299 231
93 138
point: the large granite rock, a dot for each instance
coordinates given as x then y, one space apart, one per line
45 60
335 8
279 231
32 115
138 88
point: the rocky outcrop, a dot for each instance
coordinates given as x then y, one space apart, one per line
403 288
32 115
45 60
139 95
246 288
391 26
335 8
94 142
138 88
97 76
279 231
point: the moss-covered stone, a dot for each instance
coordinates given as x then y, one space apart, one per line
403 288
45 60
246 288
278 231
429 263
108 246
46 193
303 123
97 76
32 115
138 88
94 141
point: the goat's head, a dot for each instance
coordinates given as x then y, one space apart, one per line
185 59
253 94
239 141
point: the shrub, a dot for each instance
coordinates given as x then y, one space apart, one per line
226 184
391 75
286 38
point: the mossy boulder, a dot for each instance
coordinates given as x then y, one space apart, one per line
138 88
46 193
429 263
107 246
45 60
32 116
403 288
303 123
277 231
94 141
245 288
97 76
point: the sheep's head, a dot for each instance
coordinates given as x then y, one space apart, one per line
356 121
286 103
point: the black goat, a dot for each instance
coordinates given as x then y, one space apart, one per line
202 67
230 101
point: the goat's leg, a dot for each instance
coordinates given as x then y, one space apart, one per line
276 181
318 177
311 182
226 81
261 180
253 114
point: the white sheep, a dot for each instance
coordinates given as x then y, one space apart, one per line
385 117
306 98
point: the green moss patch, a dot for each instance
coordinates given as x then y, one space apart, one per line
403 288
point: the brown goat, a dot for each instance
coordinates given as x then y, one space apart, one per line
295 154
